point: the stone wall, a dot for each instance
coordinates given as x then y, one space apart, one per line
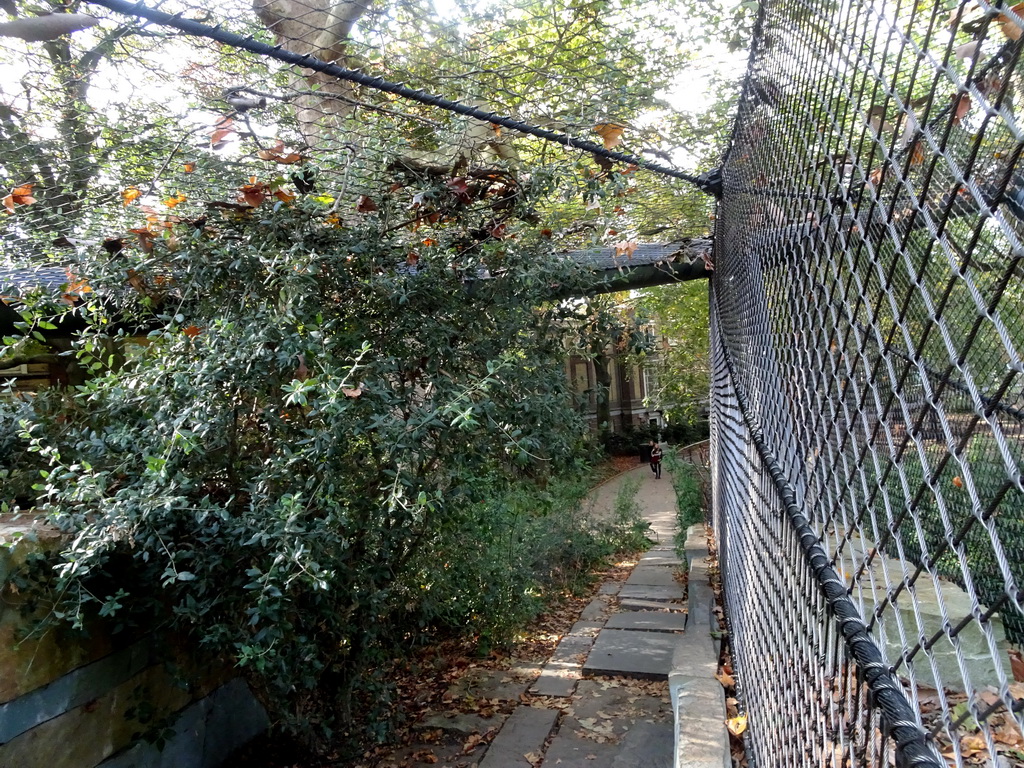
71 699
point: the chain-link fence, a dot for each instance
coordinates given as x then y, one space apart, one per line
869 400
868 303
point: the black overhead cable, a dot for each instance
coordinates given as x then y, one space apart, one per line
709 182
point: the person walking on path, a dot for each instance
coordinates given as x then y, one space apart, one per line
656 454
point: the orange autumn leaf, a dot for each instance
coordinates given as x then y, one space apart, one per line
961 106
1009 27
917 153
625 248
20 195
254 193
284 197
278 155
191 331
737 725
173 200
610 133
130 194
224 128
958 482
188 167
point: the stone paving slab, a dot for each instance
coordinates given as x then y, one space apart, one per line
568 750
644 592
572 649
650 621
557 680
586 628
628 652
629 604
653 576
612 708
660 557
499 684
596 609
609 588
525 732
647 745
457 722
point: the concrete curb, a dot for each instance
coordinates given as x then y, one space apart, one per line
698 700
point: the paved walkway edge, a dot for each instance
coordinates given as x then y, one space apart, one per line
698 700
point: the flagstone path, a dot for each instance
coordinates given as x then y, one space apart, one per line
606 696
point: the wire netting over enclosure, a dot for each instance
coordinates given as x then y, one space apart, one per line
155 116
868 307
867 302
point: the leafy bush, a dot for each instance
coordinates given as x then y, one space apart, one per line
322 448
689 497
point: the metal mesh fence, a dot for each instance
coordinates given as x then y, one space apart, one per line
868 303
868 330
147 117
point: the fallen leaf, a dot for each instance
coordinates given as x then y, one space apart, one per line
460 189
351 392
20 195
533 758
191 331
972 743
917 153
727 680
188 167
958 482
174 200
284 197
737 725
278 156
610 133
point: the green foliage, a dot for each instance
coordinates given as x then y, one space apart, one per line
689 496
684 375
321 449
628 527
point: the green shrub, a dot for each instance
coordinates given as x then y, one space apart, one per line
689 496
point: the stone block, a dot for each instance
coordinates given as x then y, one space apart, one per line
71 690
626 652
651 621
644 592
922 616
653 576
702 740
525 732
647 745
629 604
